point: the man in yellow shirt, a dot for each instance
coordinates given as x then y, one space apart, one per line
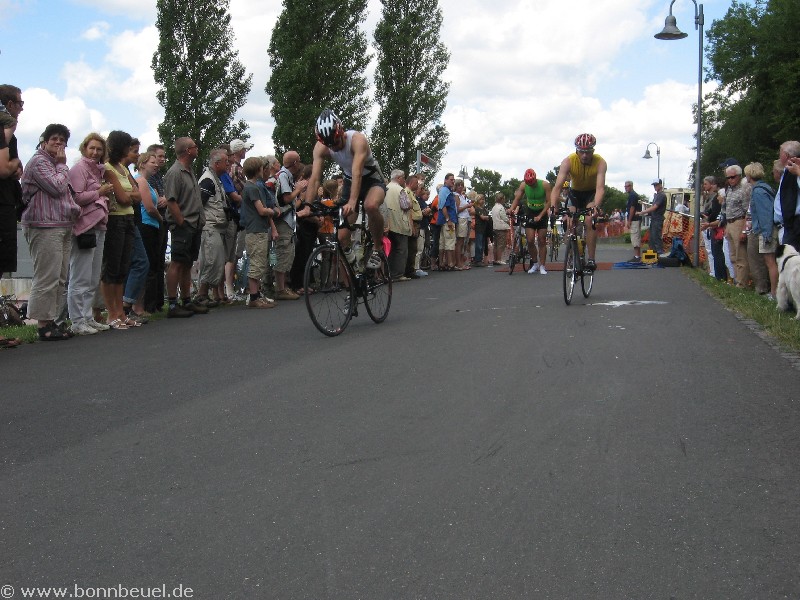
586 172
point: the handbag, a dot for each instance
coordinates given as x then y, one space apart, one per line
86 240
719 234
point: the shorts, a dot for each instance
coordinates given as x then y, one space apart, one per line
117 249
367 183
212 256
284 247
581 198
185 243
531 224
462 230
770 248
230 242
257 245
447 238
636 233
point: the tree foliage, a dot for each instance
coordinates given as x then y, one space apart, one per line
751 51
318 56
409 89
202 83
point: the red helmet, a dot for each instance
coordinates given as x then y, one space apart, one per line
585 141
530 177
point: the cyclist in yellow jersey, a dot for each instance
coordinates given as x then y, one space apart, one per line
587 174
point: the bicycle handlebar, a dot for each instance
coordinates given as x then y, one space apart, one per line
564 211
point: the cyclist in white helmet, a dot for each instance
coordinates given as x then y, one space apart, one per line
586 172
363 180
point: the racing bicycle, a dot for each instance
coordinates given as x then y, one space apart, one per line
335 286
553 240
519 245
575 252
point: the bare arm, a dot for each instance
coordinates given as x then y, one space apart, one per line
147 199
600 186
320 154
360 149
563 173
517 196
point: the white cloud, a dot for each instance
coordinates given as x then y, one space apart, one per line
96 31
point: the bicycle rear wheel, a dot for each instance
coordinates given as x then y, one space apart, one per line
330 291
553 243
377 291
571 262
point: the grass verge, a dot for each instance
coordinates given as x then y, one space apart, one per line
782 326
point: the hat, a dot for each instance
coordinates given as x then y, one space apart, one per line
657 182
728 162
239 145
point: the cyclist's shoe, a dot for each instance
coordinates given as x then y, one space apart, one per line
542 270
590 265
534 268
374 261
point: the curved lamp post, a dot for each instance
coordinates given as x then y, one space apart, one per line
658 156
671 32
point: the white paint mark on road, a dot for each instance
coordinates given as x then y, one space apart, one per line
618 303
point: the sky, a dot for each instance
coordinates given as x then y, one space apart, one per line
526 76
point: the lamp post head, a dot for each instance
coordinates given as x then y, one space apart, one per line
671 31
647 154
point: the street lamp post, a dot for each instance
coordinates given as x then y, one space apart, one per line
671 32
658 156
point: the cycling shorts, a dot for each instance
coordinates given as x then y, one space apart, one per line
579 199
531 224
367 183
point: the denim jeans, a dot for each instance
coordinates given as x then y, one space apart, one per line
479 246
140 266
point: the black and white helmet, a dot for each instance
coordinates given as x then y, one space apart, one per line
328 127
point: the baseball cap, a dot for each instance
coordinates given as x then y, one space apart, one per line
657 182
728 162
239 145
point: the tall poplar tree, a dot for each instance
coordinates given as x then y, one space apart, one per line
318 56
409 87
202 83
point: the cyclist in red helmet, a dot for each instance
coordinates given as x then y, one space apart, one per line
537 193
586 172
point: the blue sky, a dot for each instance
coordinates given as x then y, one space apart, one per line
526 77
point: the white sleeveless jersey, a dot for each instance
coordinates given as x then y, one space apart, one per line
344 158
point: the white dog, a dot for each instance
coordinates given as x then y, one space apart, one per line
788 278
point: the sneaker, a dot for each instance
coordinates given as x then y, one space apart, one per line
141 319
591 265
769 296
374 261
421 273
401 278
196 308
98 326
286 295
179 312
635 259
500 263
542 270
534 268
261 303
82 329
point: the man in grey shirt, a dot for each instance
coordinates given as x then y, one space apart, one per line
737 201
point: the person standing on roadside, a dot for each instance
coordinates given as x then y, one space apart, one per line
656 212
633 221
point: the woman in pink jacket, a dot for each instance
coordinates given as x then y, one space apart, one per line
89 232
47 223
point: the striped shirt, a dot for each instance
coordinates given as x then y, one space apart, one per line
46 184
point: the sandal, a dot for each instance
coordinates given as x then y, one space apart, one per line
52 333
130 322
9 342
118 324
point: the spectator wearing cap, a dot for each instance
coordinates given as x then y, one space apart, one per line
737 202
656 212
238 150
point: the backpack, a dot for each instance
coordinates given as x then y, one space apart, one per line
678 252
405 201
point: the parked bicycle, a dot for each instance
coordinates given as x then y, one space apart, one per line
335 286
553 240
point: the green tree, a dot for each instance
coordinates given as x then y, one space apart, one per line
486 182
751 52
408 85
202 83
318 56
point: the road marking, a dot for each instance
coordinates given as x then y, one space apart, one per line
618 303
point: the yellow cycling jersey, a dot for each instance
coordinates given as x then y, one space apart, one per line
583 177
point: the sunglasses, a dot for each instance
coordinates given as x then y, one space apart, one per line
732 177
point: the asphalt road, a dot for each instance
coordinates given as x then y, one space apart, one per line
486 441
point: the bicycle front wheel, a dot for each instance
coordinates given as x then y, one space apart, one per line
377 291
330 291
571 262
